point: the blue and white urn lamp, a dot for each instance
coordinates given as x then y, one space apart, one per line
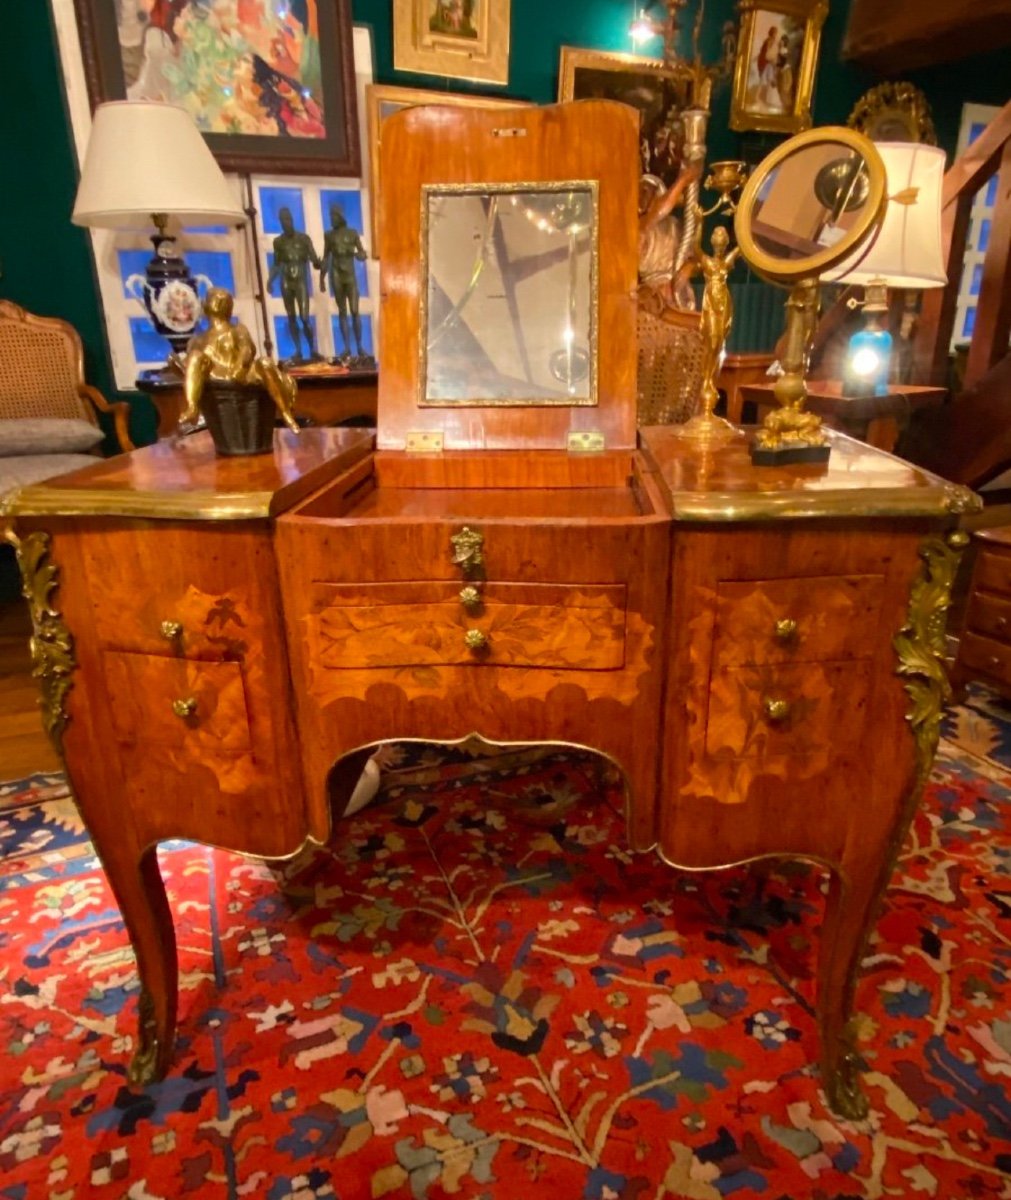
146 164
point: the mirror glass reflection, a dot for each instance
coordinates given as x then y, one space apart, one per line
509 282
811 201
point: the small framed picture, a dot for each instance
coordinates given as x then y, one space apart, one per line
777 53
459 39
382 101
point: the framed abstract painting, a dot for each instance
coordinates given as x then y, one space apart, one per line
777 54
270 83
459 39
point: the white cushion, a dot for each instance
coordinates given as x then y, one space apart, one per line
21 470
47 435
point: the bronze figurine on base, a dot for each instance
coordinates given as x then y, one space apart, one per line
238 392
342 245
789 433
717 318
293 252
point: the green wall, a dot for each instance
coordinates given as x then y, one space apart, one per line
45 262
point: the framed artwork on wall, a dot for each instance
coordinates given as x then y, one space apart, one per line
382 101
894 112
460 39
659 91
777 54
288 101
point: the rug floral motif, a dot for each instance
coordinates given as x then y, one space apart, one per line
475 991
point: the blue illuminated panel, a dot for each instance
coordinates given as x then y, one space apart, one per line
991 192
977 279
984 235
969 324
273 199
148 346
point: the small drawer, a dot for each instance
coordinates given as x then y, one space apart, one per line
796 620
985 655
395 625
993 573
769 711
189 623
991 615
198 706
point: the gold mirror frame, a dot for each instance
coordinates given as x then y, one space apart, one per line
789 434
774 269
592 189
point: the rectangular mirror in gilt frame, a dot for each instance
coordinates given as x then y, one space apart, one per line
508 255
508 294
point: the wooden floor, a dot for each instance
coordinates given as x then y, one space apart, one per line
24 747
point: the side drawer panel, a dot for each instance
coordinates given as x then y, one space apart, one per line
830 618
993 573
823 705
143 689
990 615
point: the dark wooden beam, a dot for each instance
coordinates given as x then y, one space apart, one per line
896 36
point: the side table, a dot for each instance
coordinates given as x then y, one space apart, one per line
984 647
877 420
329 397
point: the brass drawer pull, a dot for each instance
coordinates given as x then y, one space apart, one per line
785 630
470 597
170 630
475 640
776 709
468 550
185 708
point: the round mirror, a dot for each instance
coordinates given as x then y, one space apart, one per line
810 203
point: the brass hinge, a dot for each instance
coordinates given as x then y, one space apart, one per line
428 441
585 441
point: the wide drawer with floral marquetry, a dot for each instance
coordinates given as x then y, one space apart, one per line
475 624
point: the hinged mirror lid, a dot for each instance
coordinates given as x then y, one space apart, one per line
508 251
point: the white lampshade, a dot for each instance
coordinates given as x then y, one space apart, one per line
145 158
907 251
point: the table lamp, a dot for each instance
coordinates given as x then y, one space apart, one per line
906 253
147 162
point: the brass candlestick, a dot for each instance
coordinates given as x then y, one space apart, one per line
726 179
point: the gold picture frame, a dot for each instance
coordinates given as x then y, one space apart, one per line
652 86
459 39
777 55
894 112
382 101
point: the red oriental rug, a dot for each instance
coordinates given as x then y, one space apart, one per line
476 992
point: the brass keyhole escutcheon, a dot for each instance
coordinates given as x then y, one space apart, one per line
776 709
475 640
785 630
468 550
185 708
171 630
470 597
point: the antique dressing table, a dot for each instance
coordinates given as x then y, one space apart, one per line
220 642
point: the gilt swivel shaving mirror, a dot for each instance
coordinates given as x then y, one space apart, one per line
508 280
810 204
